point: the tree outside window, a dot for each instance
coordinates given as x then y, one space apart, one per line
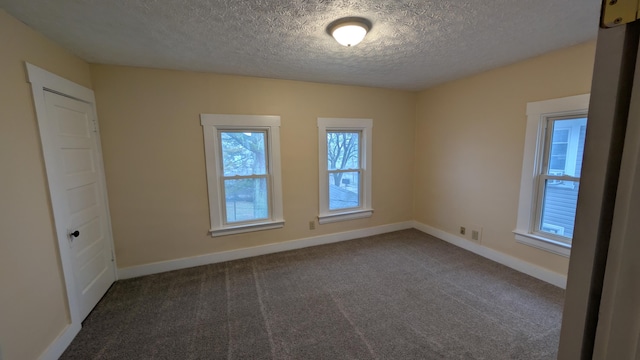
245 166
343 162
345 147
242 156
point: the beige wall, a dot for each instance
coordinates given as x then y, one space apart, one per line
470 141
154 155
33 308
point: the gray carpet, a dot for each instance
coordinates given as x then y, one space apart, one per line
401 295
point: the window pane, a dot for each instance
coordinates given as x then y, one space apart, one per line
558 159
560 135
559 207
343 150
243 153
344 190
567 146
246 199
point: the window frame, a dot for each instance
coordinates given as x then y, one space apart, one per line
536 147
365 128
213 125
545 170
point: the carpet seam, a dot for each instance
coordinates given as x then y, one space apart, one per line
263 309
228 291
355 327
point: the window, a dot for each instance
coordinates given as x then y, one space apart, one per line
242 156
551 167
345 169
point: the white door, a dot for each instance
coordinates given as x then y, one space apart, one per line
81 207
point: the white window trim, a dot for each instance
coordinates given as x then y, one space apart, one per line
537 114
211 123
365 126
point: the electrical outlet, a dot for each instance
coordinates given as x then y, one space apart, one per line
476 233
463 230
312 225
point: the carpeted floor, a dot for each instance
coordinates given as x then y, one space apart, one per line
401 295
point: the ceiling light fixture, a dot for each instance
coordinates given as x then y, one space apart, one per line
349 31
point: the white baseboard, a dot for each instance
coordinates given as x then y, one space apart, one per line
536 271
504 259
60 344
162 266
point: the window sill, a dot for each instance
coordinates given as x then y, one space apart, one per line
553 246
344 216
239 229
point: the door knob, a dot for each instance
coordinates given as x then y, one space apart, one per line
75 233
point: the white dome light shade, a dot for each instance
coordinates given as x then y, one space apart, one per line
349 31
349 34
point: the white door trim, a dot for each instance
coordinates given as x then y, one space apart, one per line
42 80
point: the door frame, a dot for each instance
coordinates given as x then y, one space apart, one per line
41 81
601 217
618 330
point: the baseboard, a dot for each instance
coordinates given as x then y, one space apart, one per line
536 271
60 344
183 263
504 259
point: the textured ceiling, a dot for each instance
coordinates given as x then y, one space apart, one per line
413 44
